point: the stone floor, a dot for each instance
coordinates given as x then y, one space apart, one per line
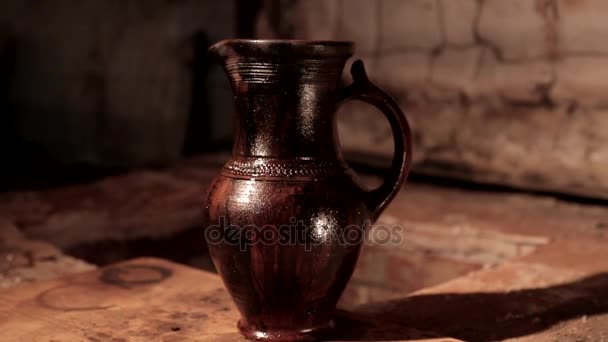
537 261
23 260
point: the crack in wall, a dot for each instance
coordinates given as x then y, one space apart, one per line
478 37
378 43
441 22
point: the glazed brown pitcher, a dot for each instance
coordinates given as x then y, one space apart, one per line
285 218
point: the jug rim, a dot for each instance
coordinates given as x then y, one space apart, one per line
322 48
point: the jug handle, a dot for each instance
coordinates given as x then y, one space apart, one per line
363 90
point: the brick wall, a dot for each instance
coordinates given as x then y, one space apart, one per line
512 92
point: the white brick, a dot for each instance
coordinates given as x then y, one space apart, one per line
459 17
583 26
401 71
318 20
515 27
514 81
358 22
412 24
582 79
456 68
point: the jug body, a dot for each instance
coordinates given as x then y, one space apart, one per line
285 248
285 218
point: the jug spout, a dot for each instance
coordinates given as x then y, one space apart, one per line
285 93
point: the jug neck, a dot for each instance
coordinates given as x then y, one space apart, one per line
286 94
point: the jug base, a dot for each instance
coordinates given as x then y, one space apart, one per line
279 335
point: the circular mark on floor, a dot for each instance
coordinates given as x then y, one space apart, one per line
134 275
72 298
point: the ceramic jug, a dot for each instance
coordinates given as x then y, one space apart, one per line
285 218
